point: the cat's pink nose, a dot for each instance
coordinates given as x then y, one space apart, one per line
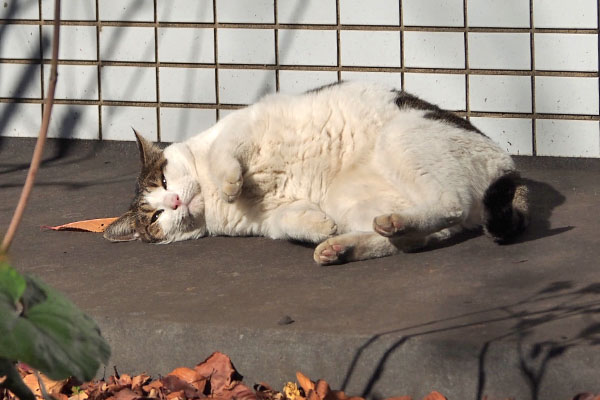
172 201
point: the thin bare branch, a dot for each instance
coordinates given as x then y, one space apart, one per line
39 146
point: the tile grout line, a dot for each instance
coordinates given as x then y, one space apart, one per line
216 60
467 64
41 44
157 82
533 108
598 65
338 41
276 33
402 64
99 69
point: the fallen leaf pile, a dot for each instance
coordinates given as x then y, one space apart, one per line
215 378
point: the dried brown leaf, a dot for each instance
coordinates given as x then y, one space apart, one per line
139 380
305 383
220 371
156 385
434 396
90 225
400 398
322 388
78 396
179 395
339 395
174 384
126 394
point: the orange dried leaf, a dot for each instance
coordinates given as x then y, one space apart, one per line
90 225
139 380
400 398
176 395
185 374
304 382
435 396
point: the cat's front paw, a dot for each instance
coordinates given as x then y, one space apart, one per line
329 252
231 186
389 225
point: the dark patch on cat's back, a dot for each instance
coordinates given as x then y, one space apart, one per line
406 100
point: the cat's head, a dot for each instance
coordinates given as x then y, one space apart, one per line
168 205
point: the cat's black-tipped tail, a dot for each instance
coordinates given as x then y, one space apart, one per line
506 209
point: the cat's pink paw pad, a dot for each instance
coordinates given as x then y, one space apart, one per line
329 253
389 225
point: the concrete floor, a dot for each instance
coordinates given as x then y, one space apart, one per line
468 319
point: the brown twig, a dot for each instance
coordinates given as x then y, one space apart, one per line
39 146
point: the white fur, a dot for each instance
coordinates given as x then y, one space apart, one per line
327 163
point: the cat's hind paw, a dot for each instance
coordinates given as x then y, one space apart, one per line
232 186
329 252
389 225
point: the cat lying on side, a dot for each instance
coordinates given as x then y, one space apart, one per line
363 170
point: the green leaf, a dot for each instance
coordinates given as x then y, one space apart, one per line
50 333
11 283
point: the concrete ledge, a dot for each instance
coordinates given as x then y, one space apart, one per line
469 318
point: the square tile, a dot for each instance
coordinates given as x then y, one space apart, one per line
199 45
321 12
187 85
565 138
500 93
375 12
565 95
370 49
117 122
433 12
20 41
302 81
71 10
76 42
255 11
565 14
126 10
307 47
19 9
391 79
131 43
499 51
434 49
244 86
444 90
225 112
20 81
79 82
179 124
566 52
498 13
128 83
185 11
25 119
512 134
246 46
71 121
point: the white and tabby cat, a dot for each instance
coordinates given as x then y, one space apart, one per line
364 170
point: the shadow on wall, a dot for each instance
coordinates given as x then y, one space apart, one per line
526 343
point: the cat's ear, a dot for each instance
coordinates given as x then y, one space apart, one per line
148 150
122 229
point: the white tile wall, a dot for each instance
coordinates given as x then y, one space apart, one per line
374 12
239 86
179 124
434 49
20 41
73 10
512 134
24 121
565 95
20 81
185 10
566 52
128 83
370 49
445 90
393 79
74 121
126 10
127 43
307 47
498 13
301 81
257 11
565 14
567 138
306 12
500 93
199 45
246 46
75 82
499 51
19 9
433 12
117 122
76 42
190 85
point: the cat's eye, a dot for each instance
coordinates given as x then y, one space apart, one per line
155 216
163 180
